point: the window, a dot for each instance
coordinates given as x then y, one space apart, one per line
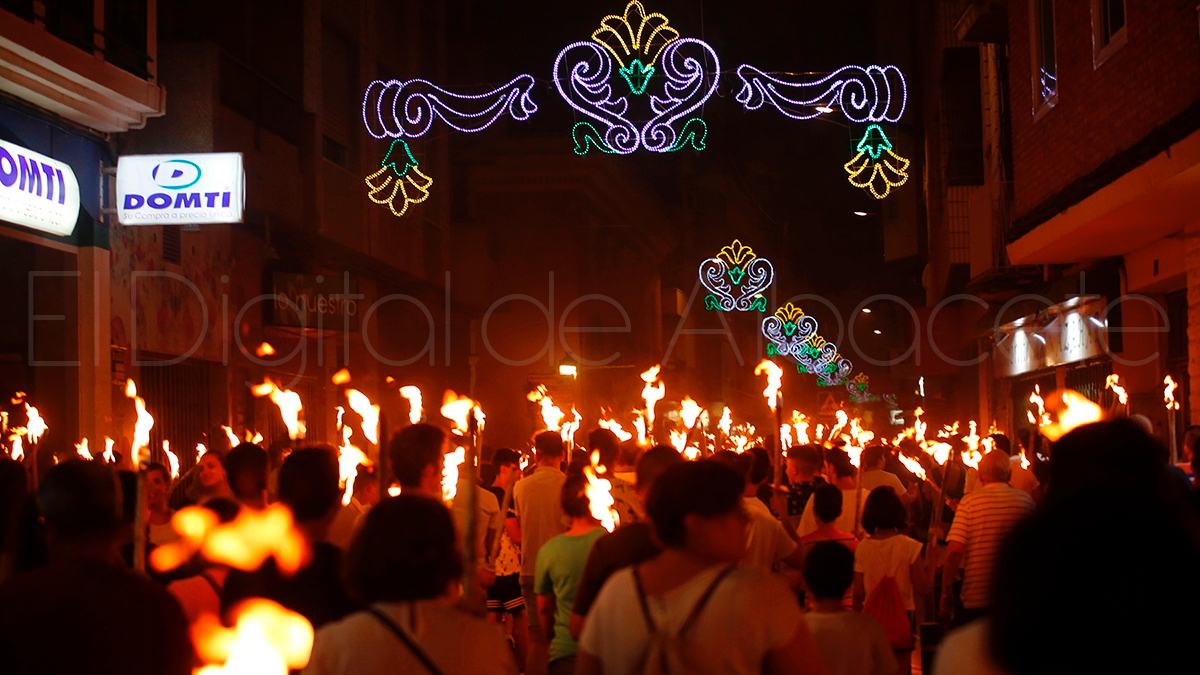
1108 29
1045 65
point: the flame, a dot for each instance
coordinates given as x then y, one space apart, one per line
842 420
341 377
450 463
639 425
689 411
201 450
1035 398
17 446
369 412
412 394
233 439
919 425
820 431
800 426
1113 382
679 439
1070 410
940 452
599 494
245 543
458 410
785 435
1169 393
914 466
1024 459
253 437
971 458
552 416
265 349
774 381
854 451
109 457
267 639
81 449
36 426
172 459
349 457
691 453
569 429
615 427
652 394
972 438
141 427
726 421
288 403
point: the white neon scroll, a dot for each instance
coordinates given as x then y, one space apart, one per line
407 108
862 94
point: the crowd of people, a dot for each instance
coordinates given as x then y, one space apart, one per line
1084 562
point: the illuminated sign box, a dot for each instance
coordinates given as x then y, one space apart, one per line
180 189
36 191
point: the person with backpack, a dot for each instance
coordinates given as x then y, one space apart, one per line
889 571
691 609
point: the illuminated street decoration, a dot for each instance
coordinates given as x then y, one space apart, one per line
859 388
788 330
876 168
862 94
637 46
399 182
821 358
735 279
407 108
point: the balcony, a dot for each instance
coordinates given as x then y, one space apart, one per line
91 63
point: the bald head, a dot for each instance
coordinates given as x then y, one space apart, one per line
995 467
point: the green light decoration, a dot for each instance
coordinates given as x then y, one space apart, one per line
637 76
694 133
736 278
876 168
399 181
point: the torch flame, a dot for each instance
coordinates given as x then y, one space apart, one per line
1169 393
265 349
1070 410
458 409
1042 419
552 416
81 449
774 381
639 425
940 452
369 412
172 459
1113 382
599 494
689 411
651 393
245 543
919 425
569 429
109 456
17 449
141 427
412 394
36 426
349 457
726 421
201 450
267 639
341 377
288 403
914 467
450 463
615 427
233 439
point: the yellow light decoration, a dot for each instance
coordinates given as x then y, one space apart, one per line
876 168
399 181
635 32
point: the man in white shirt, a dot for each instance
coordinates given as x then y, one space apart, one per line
768 542
874 457
981 522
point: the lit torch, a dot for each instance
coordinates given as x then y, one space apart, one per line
1172 407
288 403
81 449
412 394
172 459
599 494
552 416
267 639
652 393
109 456
1113 382
774 382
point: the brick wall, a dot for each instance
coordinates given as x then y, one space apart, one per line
1100 111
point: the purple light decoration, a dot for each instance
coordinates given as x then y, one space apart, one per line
582 73
863 94
685 91
423 101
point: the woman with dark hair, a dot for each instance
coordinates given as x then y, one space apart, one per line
158 485
889 563
691 605
404 565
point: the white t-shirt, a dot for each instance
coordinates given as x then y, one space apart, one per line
845 522
892 556
458 643
851 644
879 478
767 542
749 614
964 652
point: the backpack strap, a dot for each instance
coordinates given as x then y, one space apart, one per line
641 594
404 638
708 592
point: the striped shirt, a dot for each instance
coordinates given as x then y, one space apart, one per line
981 522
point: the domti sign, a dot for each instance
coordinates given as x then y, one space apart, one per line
180 189
36 191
